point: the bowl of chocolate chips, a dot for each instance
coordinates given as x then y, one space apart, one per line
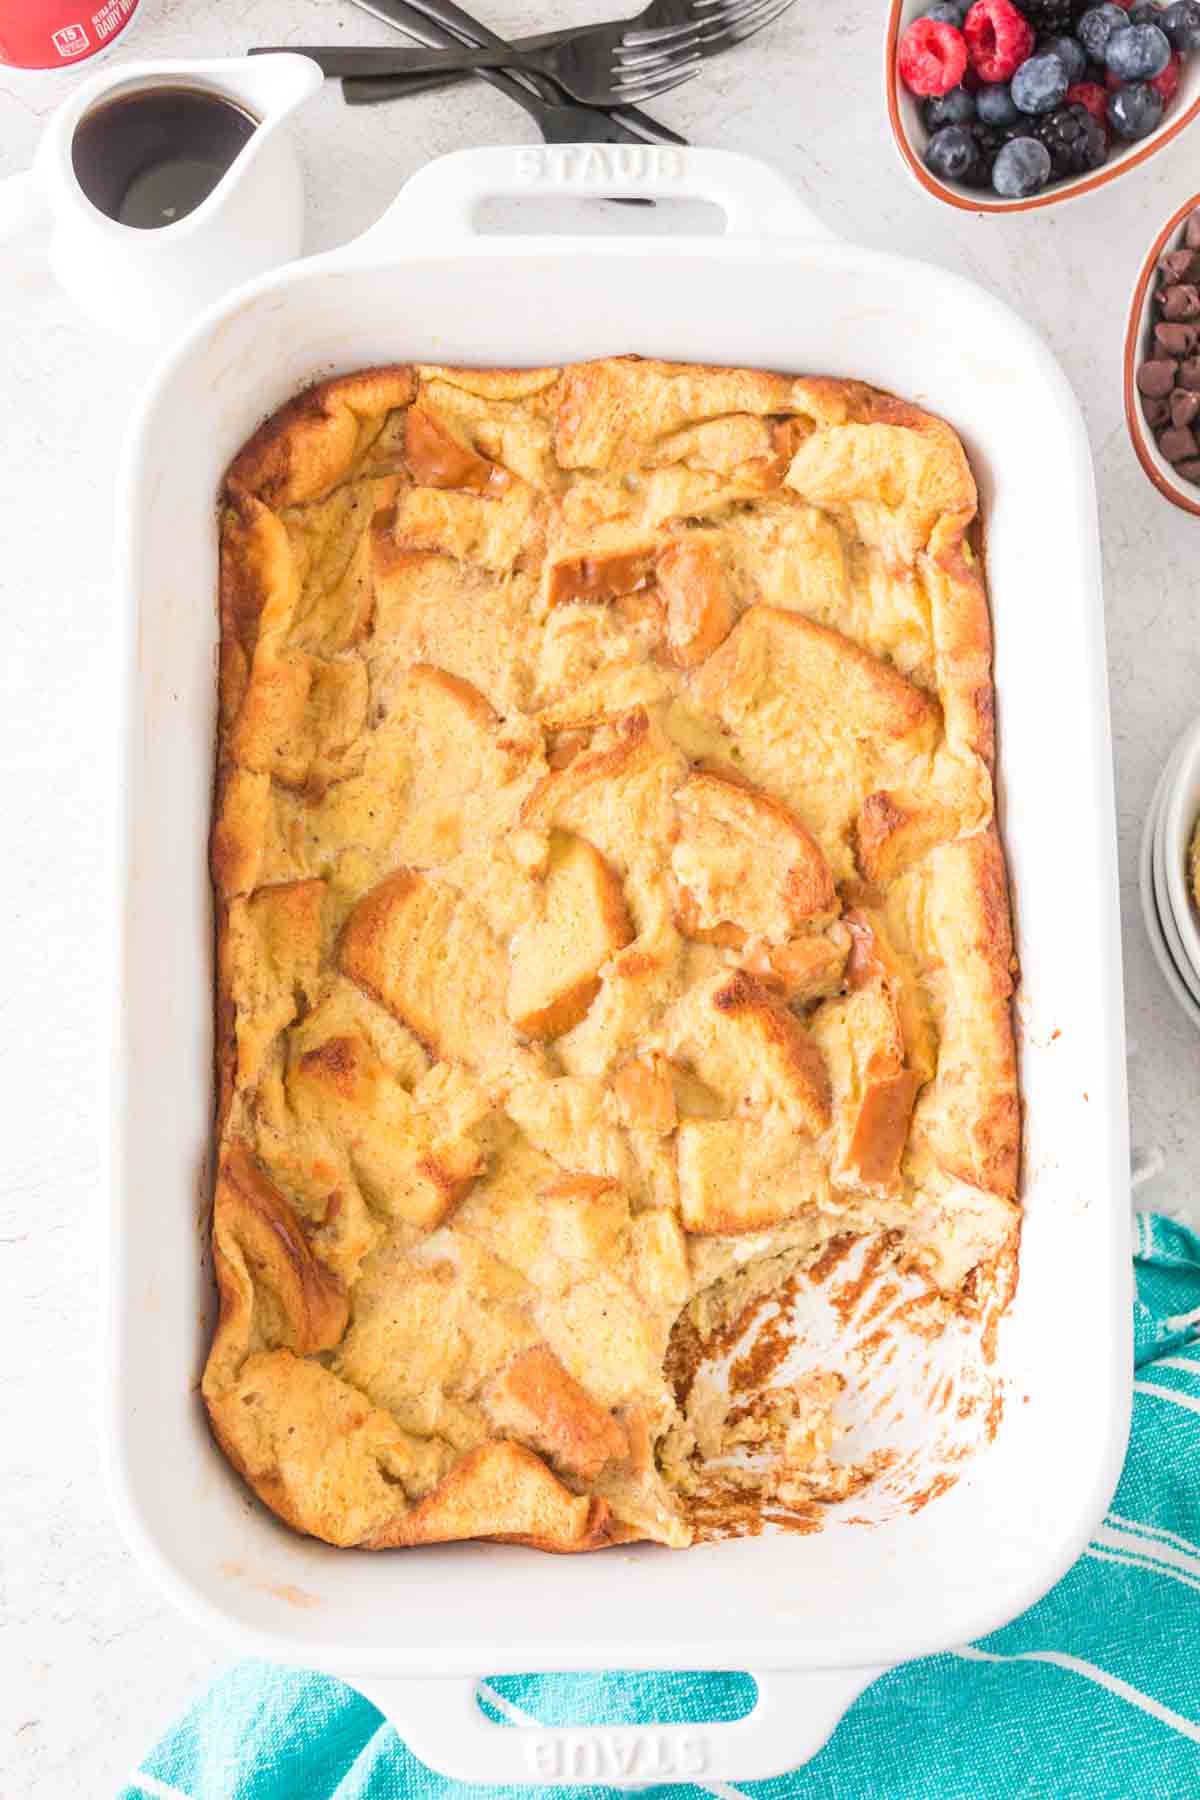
1162 360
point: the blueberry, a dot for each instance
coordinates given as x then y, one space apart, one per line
994 104
1137 53
1072 55
1021 168
1145 14
1135 110
1180 24
946 13
951 153
1040 83
1097 25
955 108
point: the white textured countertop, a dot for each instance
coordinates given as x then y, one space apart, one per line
95 1662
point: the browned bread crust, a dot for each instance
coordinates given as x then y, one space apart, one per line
606 868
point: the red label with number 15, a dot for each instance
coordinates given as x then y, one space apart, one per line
52 34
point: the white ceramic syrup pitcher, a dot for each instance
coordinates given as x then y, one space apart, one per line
144 284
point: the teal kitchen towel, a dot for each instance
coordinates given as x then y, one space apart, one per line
1093 1693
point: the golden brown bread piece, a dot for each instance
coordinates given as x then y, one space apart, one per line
698 607
742 859
535 1399
557 958
608 892
422 949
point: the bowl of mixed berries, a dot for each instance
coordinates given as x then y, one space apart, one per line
998 105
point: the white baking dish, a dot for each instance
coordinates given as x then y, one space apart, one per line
815 1617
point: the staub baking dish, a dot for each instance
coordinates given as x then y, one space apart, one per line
814 1617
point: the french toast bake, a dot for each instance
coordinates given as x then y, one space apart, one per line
610 914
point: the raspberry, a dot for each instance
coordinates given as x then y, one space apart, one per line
1092 96
933 57
998 39
1166 82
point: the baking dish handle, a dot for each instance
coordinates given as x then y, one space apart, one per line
440 1721
440 200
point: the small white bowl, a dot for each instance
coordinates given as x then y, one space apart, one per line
908 129
1181 493
1189 974
1181 807
1170 930
1155 929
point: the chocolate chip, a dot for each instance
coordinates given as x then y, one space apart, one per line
1178 445
1190 470
1183 407
1189 374
1177 265
1157 412
1177 340
1158 376
1191 231
1182 302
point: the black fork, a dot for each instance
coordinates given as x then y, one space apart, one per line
441 24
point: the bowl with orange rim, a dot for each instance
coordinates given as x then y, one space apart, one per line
1143 315
908 130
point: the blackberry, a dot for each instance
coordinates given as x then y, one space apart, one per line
989 141
1075 140
1050 18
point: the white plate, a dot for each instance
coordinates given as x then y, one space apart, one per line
1155 929
812 1616
1180 809
1167 920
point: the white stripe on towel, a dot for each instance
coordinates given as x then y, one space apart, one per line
1133 1544
1143 1562
1188 1728
518 1716
505 1707
1178 1362
1182 1319
1162 1393
158 1790
1158 1531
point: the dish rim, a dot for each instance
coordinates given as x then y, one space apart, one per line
1151 914
1175 834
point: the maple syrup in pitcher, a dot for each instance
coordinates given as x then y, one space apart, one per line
149 158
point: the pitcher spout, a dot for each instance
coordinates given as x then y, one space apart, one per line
270 86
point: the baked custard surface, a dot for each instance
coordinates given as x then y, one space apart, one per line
610 914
